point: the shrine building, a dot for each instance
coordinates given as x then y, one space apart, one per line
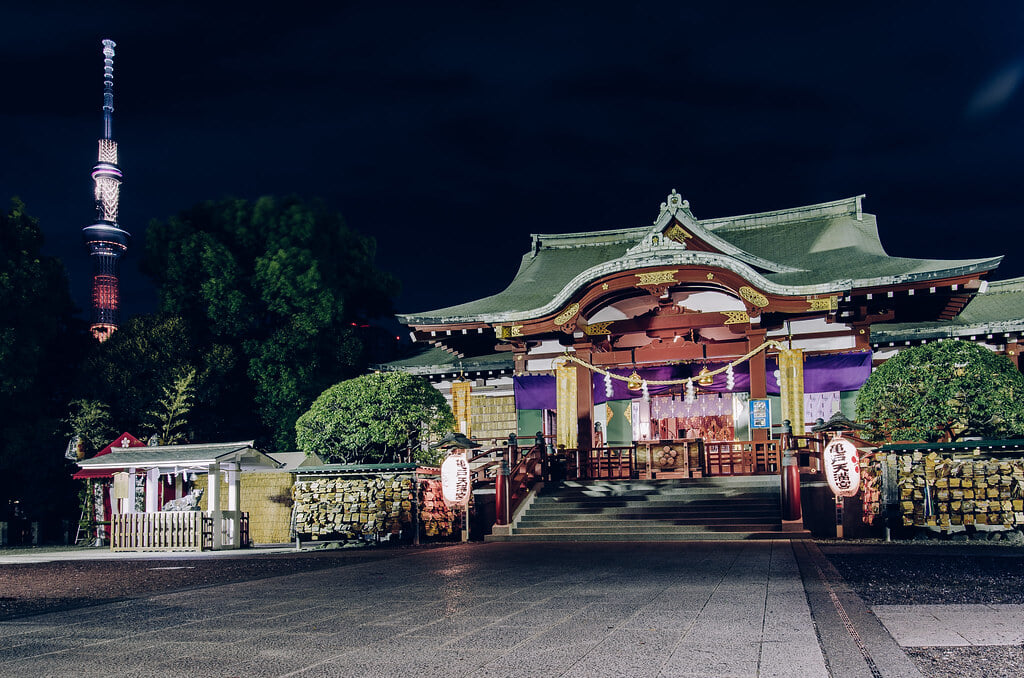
662 335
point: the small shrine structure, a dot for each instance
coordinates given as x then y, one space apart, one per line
167 517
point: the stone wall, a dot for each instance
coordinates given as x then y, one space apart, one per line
266 497
947 493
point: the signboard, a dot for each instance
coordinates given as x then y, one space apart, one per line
455 479
842 467
760 413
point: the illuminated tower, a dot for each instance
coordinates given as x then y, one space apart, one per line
105 239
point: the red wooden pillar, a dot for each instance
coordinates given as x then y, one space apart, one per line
758 381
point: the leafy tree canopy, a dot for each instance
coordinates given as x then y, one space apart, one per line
374 418
280 285
40 346
132 371
90 424
943 391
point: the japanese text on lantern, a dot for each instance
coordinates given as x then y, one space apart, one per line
842 468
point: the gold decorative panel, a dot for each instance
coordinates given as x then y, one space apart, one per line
826 304
568 314
736 317
461 407
656 278
565 381
753 296
508 331
597 329
677 233
791 387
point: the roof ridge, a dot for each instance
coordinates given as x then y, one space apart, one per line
834 208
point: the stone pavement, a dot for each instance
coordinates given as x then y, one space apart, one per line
582 610
953 625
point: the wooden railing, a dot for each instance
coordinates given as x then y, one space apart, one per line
741 457
164 531
602 462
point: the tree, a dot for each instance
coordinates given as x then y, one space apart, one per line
131 370
170 415
89 421
40 347
943 391
374 418
282 286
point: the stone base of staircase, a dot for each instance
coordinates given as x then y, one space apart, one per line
683 509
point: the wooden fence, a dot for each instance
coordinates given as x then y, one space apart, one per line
163 531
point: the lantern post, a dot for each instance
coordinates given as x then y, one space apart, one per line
790 475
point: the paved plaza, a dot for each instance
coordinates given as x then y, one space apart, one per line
752 608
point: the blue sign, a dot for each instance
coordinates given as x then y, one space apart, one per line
760 413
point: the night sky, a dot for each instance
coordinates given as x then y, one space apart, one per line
450 132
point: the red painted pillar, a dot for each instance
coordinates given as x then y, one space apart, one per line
790 475
758 380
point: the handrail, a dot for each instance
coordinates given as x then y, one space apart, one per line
526 472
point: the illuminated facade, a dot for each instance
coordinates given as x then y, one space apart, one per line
106 240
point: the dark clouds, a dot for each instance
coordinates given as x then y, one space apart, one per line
450 132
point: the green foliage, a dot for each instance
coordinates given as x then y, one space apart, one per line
91 423
170 415
943 391
278 286
40 347
130 371
373 418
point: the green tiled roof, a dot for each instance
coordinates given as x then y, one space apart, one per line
432 360
357 468
817 249
171 455
959 446
999 309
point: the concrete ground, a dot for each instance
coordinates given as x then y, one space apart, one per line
690 609
754 608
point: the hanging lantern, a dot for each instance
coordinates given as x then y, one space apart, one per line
705 378
608 386
634 382
730 378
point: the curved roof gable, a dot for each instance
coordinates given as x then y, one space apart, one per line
817 249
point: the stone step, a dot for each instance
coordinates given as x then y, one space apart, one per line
633 537
646 528
675 509
661 518
654 500
665 486
654 511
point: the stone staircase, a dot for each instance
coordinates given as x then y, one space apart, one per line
735 507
